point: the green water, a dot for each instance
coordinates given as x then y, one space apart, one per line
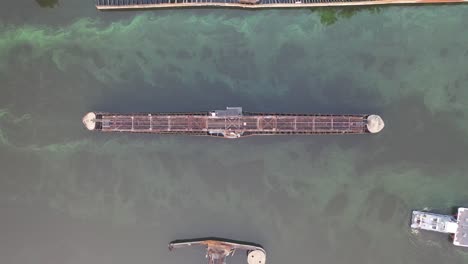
71 196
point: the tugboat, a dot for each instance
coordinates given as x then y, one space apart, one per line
218 249
456 226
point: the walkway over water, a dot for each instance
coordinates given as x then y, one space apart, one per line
144 4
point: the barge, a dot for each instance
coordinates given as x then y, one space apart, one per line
456 226
233 122
217 250
254 4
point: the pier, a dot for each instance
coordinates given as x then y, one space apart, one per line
233 123
253 4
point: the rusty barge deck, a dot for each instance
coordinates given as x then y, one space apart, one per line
253 4
233 123
217 250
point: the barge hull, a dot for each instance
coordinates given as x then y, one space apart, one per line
217 250
232 123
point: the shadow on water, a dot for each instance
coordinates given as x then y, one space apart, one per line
47 3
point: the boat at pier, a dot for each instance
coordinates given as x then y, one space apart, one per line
456 225
233 122
254 4
218 249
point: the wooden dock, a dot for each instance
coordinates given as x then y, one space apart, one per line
233 123
148 4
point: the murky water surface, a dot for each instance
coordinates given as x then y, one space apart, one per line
71 196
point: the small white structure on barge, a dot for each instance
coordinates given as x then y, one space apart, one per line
456 225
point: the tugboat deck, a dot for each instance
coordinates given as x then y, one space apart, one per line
434 222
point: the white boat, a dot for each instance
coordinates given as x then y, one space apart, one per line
456 225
